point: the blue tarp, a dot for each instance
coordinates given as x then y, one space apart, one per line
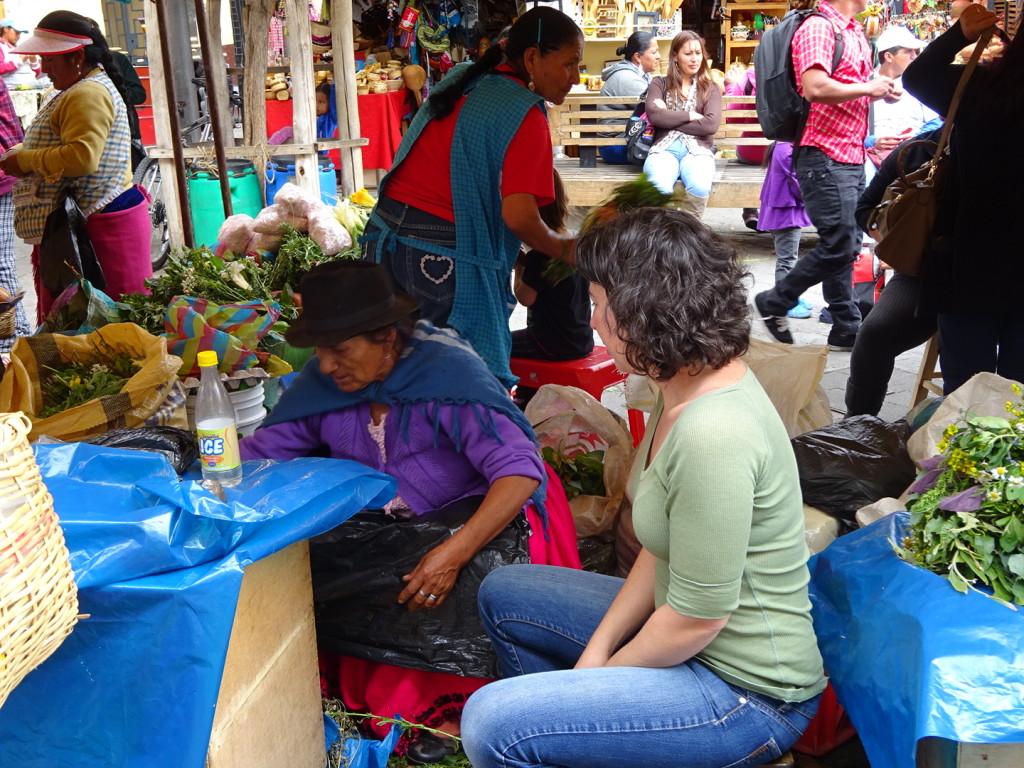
909 656
158 563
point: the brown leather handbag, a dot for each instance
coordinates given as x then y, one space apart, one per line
903 222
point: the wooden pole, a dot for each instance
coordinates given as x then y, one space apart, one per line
168 131
214 70
219 84
345 94
256 22
300 48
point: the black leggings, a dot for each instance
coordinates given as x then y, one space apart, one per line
891 328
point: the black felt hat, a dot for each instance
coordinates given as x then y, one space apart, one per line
342 299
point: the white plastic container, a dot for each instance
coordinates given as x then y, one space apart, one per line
215 426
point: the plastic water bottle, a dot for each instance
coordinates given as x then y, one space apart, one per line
215 426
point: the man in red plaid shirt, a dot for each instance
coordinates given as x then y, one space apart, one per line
829 163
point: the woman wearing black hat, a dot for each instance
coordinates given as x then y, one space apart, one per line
417 403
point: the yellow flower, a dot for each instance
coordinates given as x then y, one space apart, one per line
942 446
1016 389
950 430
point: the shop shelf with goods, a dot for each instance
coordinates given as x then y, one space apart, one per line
745 15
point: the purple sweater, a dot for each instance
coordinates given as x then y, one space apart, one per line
428 477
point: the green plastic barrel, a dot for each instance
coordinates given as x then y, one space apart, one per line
207 205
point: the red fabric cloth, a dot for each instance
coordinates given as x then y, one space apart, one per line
380 120
424 178
838 130
436 698
122 244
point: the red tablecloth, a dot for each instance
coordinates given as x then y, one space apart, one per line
380 120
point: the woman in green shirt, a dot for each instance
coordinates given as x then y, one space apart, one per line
705 655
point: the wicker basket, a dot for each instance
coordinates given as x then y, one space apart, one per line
38 598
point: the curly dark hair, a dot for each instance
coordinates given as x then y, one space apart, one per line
675 287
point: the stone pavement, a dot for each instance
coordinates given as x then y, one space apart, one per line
757 251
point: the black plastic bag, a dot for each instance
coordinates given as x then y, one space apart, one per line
178 445
357 576
853 463
66 252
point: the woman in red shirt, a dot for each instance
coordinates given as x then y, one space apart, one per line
469 180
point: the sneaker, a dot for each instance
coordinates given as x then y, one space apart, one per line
778 326
825 316
750 218
801 311
841 342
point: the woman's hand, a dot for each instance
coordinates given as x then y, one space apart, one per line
9 164
437 572
976 19
883 143
660 104
434 575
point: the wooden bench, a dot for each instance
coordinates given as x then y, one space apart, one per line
589 180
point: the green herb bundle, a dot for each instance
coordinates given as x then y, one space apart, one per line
76 382
200 273
639 193
581 473
967 508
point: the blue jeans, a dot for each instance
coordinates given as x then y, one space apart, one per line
547 714
676 162
420 271
830 190
970 344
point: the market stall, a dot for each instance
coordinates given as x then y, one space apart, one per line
380 118
257 14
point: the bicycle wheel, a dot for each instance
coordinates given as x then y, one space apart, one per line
147 176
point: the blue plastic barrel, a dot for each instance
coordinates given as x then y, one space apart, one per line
281 170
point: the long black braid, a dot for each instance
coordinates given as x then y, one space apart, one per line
542 27
98 53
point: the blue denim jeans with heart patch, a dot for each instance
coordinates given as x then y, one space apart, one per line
415 248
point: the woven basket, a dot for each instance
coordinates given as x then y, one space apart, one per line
321 34
38 598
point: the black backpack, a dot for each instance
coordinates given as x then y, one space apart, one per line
781 110
639 133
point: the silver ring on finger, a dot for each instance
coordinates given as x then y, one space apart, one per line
432 597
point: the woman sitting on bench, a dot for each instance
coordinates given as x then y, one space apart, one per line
685 109
629 77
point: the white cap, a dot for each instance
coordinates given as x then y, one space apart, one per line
898 37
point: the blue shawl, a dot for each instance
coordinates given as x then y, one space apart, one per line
435 367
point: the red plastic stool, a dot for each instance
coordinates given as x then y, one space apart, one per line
829 728
593 374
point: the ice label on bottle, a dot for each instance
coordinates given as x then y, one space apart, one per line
218 445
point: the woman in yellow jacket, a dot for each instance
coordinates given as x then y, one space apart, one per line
80 141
